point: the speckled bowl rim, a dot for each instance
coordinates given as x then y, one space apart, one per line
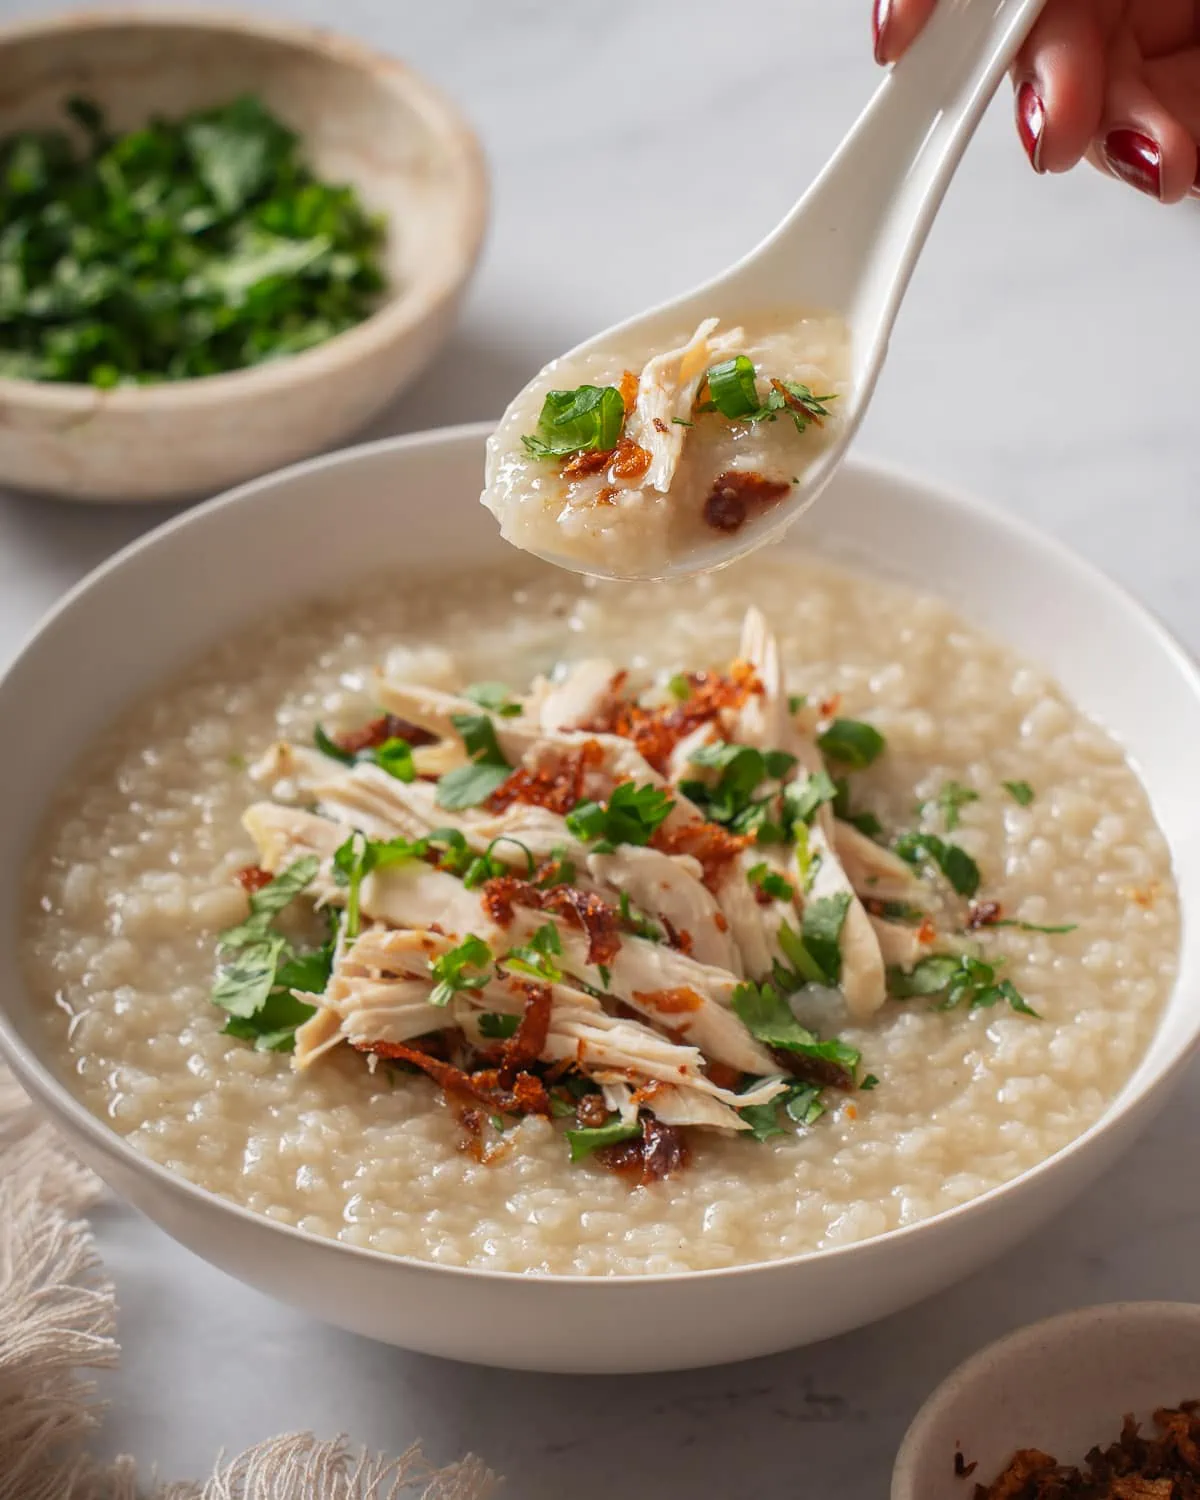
982 1366
36 1074
398 316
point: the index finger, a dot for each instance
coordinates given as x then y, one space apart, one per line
896 24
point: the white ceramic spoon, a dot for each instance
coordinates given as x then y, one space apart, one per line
850 244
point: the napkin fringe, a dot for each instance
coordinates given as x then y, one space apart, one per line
58 1320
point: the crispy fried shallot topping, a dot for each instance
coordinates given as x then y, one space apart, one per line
526 1095
656 731
525 1045
655 1154
735 492
1163 1467
556 786
379 731
582 909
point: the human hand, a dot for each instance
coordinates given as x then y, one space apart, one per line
1115 81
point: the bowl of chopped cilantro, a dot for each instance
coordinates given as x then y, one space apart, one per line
225 244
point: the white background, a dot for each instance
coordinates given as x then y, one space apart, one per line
1044 358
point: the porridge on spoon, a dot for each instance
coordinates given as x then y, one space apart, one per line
628 461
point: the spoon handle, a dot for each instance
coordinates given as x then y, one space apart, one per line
860 227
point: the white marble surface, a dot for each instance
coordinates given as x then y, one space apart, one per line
1045 358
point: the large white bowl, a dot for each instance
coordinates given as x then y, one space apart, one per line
161 601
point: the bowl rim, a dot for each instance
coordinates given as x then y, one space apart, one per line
40 1081
396 317
978 1367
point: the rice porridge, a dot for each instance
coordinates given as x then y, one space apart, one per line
1039 883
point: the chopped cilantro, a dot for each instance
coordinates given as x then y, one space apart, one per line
588 419
852 743
1019 791
801 1102
770 882
181 248
396 758
1036 926
632 815
450 970
796 701
495 697
803 799
583 1142
960 979
955 863
536 957
638 922
331 747
768 1018
822 931
869 1082
468 786
258 969
266 904
950 801
733 391
731 801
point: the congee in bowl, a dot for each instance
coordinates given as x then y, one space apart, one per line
512 920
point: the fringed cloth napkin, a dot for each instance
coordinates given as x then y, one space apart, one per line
58 1319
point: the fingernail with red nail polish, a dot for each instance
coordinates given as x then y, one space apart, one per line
1031 121
879 23
1136 159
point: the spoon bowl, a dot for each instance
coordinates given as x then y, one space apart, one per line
848 248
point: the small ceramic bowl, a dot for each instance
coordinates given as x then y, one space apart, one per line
1063 1386
364 119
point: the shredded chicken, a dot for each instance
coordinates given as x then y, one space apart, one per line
619 954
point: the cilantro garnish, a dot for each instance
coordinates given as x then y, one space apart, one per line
869 1082
632 815
638 922
583 1142
181 248
955 863
1053 931
495 697
865 822
468 786
960 979
394 756
590 418
769 1019
731 801
331 748
537 956
770 882
801 1102
450 970
258 968
950 801
815 951
852 743
803 799
1019 791
733 391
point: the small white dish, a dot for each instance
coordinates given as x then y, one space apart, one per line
364 118
1063 1386
415 498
